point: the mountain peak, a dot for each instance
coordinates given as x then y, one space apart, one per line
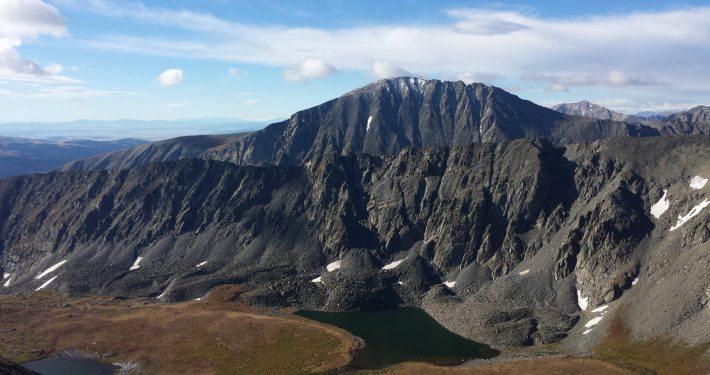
588 109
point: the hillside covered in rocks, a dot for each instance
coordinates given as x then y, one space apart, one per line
511 243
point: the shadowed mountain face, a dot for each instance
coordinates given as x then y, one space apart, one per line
24 156
515 228
693 121
587 109
387 116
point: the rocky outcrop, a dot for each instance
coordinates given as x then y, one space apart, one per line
516 230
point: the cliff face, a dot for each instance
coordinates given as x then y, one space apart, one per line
521 227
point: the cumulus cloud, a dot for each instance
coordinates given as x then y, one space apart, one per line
308 69
30 18
384 69
21 19
170 77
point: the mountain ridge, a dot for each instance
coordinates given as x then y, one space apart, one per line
388 115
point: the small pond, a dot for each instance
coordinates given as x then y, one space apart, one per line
403 334
70 366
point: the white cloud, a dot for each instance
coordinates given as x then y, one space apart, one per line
170 77
383 69
252 102
620 51
469 77
21 19
30 18
308 68
484 22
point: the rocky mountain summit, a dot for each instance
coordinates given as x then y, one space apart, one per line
381 119
511 243
588 109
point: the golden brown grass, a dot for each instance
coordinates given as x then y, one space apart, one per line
218 336
538 366
658 355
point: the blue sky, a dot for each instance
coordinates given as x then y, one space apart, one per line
62 60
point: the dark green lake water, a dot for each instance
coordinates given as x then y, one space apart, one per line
70 366
404 334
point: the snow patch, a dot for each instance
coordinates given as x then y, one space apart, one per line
697 182
201 264
400 282
636 280
600 309
46 283
524 272
333 266
198 299
450 284
50 269
369 120
582 302
7 283
392 265
317 280
694 212
136 264
594 321
162 294
587 331
5 275
661 206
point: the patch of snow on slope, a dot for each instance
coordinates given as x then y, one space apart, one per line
694 212
7 283
450 284
636 280
50 269
393 265
369 120
5 275
162 294
697 182
136 264
317 280
524 273
661 206
594 321
600 309
582 302
333 266
201 264
587 331
400 282
46 283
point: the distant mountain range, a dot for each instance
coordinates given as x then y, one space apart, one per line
692 121
587 109
23 156
152 130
